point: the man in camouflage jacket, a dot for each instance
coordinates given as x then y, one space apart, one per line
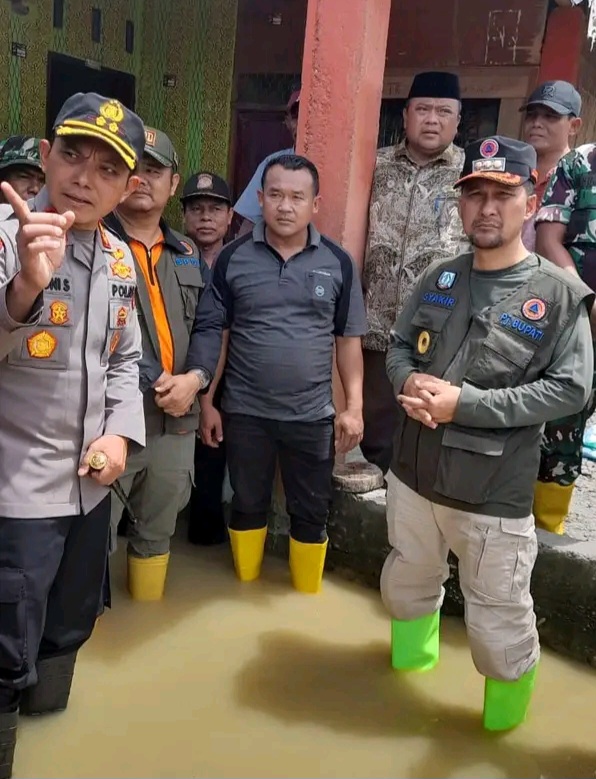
566 235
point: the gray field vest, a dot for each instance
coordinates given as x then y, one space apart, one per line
479 470
181 283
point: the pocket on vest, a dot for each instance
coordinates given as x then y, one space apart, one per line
501 360
467 465
428 322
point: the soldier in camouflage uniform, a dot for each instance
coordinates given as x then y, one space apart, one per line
566 235
413 220
20 165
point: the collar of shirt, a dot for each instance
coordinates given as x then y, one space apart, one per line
258 235
169 239
41 201
448 155
543 184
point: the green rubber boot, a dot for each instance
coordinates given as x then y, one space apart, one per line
415 643
506 704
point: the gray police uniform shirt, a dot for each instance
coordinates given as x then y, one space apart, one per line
283 319
68 375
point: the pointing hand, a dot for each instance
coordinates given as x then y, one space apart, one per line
41 240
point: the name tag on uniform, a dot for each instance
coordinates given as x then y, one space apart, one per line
523 328
182 261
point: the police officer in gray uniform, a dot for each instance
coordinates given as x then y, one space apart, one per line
489 347
69 401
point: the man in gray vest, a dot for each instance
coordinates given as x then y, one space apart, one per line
170 278
489 347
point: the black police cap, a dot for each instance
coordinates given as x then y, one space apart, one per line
205 184
94 116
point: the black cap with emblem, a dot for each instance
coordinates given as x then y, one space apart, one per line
505 160
94 116
560 96
205 184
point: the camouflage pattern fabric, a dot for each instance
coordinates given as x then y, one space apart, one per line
20 150
570 199
561 449
413 221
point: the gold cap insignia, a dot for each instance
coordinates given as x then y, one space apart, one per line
111 114
41 345
150 137
423 342
58 313
205 181
121 269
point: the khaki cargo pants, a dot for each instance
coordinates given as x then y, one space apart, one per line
158 481
496 558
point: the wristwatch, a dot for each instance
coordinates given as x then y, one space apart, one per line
203 376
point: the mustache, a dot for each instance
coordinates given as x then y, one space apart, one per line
481 223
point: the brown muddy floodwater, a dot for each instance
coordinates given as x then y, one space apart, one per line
229 680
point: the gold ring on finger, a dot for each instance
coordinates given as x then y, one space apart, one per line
98 461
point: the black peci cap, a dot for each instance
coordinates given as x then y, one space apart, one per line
560 96
501 159
435 84
91 115
205 184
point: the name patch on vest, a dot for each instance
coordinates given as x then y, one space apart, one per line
521 327
186 261
436 299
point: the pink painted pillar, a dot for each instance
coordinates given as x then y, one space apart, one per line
342 85
564 41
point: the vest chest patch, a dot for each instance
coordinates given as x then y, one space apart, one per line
446 280
516 325
534 309
437 299
183 261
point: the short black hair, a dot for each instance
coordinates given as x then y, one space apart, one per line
293 162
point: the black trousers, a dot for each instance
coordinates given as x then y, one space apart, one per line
380 411
206 521
306 452
51 577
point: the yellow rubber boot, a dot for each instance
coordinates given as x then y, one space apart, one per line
147 577
551 505
248 550
307 562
